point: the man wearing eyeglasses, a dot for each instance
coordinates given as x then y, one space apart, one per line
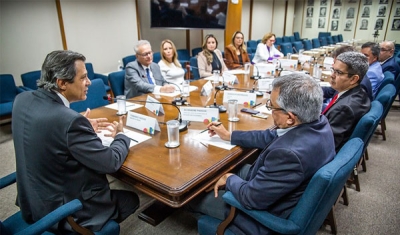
291 153
351 102
387 60
371 51
143 75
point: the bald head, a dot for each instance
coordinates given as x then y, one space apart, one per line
387 50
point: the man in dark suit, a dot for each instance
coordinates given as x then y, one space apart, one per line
351 102
386 58
59 156
301 143
143 75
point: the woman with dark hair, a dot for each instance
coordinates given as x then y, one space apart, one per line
235 53
210 58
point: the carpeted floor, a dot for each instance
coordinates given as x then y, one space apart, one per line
374 210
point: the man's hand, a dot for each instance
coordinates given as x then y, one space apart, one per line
167 88
115 127
221 183
216 128
98 124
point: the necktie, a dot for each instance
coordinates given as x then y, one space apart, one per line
330 104
148 76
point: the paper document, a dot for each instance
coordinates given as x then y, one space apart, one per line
214 140
263 109
176 92
129 106
136 138
236 71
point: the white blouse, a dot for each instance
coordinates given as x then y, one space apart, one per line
262 53
171 72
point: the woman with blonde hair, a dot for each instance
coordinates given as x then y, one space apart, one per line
210 58
235 53
266 50
169 64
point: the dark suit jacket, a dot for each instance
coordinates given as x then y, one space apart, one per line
232 59
60 158
281 172
392 66
136 82
345 113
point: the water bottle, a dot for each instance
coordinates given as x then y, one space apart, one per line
120 67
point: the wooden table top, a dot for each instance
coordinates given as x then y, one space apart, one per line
175 176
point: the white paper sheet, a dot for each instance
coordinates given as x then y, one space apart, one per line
176 92
131 134
214 140
129 106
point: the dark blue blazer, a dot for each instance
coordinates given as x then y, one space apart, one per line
281 172
392 66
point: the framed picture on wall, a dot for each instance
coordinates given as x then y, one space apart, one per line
396 24
383 1
364 24
325 3
310 11
367 2
397 11
309 23
365 12
310 2
321 23
348 25
350 13
337 3
382 11
336 13
322 12
379 24
334 25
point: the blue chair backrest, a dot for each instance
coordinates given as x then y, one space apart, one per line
278 41
183 55
315 42
324 188
286 47
298 46
8 90
194 68
397 83
285 39
258 41
386 97
297 36
307 45
329 40
335 39
94 97
117 82
30 79
90 71
387 79
196 51
340 37
323 41
252 44
292 39
127 59
156 57
324 34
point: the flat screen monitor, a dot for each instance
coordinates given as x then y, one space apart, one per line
187 14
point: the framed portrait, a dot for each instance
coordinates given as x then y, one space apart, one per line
310 11
379 24
396 24
336 13
334 25
397 11
367 2
325 3
310 2
349 25
364 24
337 3
350 13
322 12
321 23
309 23
381 11
383 1
365 12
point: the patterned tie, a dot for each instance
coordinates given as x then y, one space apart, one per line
148 76
330 104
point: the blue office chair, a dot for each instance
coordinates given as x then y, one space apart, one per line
92 75
127 59
30 79
285 39
286 47
313 206
194 68
323 41
315 43
386 97
8 92
307 45
329 40
252 44
183 56
278 41
387 79
94 97
335 39
324 34
15 224
156 57
292 39
297 36
196 51
117 82
297 46
340 38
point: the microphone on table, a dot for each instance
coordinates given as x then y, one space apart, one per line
294 48
220 108
180 100
223 86
258 93
182 123
258 73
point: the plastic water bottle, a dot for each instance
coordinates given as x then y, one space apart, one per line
120 67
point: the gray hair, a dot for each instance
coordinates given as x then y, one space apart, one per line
356 62
139 44
375 50
300 94
58 65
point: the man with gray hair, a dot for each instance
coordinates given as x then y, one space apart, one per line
351 102
375 74
387 60
143 75
59 156
280 174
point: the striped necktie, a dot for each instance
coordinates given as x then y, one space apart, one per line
148 76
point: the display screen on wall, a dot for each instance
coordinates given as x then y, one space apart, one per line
202 14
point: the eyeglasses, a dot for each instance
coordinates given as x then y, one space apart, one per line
339 73
268 105
146 54
383 49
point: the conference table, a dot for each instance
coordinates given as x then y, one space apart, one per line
175 176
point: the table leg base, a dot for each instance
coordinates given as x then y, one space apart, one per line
155 213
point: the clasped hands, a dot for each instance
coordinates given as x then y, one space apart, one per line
100 124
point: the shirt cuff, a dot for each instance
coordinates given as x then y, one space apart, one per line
156 89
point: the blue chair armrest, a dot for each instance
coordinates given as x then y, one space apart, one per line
53 217
103 77
8 179
21 89
275 223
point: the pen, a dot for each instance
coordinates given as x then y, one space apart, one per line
208 129
133 140
256 105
